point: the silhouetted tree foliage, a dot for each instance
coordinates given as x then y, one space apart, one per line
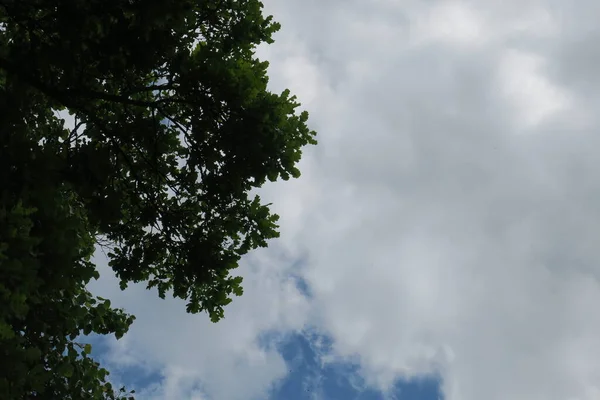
173 127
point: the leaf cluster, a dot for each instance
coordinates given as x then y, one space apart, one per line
173 128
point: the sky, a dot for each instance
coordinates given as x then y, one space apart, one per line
442 242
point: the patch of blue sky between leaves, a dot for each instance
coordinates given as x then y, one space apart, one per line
309 378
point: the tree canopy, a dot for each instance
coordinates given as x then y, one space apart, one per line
173 128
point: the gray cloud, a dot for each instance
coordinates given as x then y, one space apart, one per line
448 217
456 220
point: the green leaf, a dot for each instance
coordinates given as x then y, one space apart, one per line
66 370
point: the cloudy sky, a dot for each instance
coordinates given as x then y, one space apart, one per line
443 241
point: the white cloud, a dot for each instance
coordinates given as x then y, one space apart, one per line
186 348
438 238
534 97
441 241
452 22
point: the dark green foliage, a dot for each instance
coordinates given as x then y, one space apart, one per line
173 127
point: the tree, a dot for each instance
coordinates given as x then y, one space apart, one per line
174 127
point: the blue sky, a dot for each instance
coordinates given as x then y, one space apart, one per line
310 373
338 380
446 225
308 377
